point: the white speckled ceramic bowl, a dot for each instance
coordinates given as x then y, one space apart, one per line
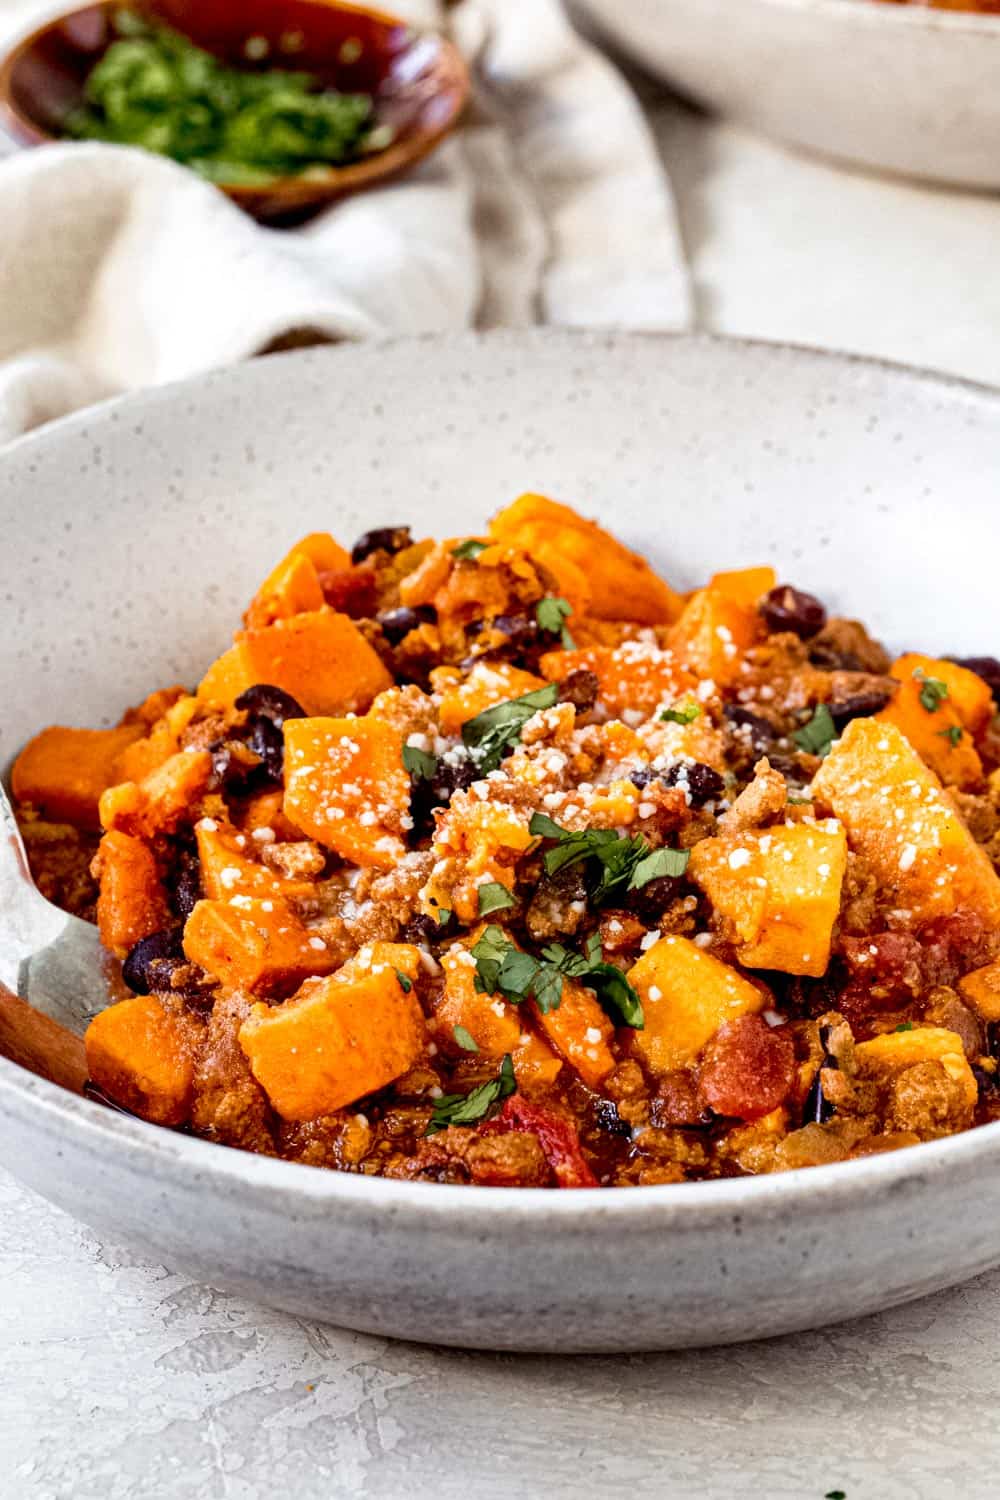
133 535
897 87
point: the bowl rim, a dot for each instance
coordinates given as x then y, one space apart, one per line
162 1152
393 160
876 13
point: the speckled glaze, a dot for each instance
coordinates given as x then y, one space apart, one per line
136 531
896 87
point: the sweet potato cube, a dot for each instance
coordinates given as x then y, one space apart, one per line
228 676
981 989
333 1043
132 903
321 658
165 798
687 994
884 1056
490 1020
746 586
898 816
486 685
142 758
622 584
969 695
64 771
228 868
580 1031
373 958
535 1063
346 786
257 945
713 633
933 724
634 678
779 892
292 589
143 1056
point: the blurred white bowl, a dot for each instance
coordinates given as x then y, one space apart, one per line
896 87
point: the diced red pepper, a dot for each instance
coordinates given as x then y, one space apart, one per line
557 1135
748 1068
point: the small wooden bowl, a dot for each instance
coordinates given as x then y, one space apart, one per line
418 79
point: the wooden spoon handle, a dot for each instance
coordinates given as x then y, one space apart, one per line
40 1044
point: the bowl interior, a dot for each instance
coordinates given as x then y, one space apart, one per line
412 76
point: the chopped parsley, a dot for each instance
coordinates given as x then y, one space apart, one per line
469 1109
953 734
492 734
470 549
494 897
503 969
685 715
444 916
904 1026
619 862
933 691
816 737
465 1039
552 613
420 763
405 982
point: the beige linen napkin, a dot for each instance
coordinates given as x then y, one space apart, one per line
120 270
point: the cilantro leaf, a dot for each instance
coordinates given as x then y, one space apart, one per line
618 997
469 1109
660 863
405 982
503 969
494 897
444 916
953 734
465 1039
904 1026
933 691
552 613
493 734
470 549
419 763
685 715
816 737
621 862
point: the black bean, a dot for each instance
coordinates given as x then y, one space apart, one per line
264 701
861 705
384 539
450 776
267 741
652 899
830 658
607 1118
421 930
581 689
704 784
186 892
236 768
149 964
520 630
397 623
818 1108
643 776
787 608
762 735
986 667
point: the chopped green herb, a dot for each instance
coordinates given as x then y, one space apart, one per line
503 969
469 549
469 1109
405 982
465 1039
155 89
800 801
420 763
953 734
685 715
444 916
621 863
904 1026
818 735
933 691
493 734
835 1495
552 613
494 897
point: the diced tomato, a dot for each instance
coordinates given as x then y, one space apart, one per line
351 590
748 1068
556 1134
